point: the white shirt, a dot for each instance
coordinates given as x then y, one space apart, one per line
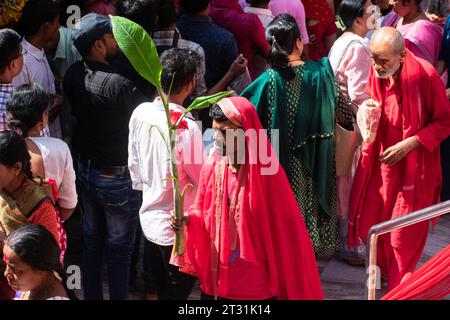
36 70
149 167
58 166
265 15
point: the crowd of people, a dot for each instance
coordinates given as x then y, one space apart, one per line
349 101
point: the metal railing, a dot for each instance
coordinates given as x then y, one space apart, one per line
388 226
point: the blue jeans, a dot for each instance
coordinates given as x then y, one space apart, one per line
110 219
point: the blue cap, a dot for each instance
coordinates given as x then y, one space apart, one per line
89 29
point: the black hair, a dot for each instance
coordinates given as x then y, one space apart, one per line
349 10
437 7
143 12
216 113
167 13
37 248
282 34
179 65
25 107
194 6
13 149
9 47
35 14
253 2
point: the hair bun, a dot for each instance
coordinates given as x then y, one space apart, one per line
17 125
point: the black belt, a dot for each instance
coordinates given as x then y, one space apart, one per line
103 169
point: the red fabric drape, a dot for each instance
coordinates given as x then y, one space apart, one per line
430 282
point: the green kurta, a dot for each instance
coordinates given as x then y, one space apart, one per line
302 109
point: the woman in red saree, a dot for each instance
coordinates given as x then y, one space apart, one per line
22 200
246 238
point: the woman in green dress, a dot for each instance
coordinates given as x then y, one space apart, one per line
296 100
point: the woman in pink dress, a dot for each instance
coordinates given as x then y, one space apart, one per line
351 62
422 37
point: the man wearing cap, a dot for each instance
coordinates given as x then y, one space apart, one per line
102 103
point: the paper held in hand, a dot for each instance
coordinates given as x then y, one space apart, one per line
368 118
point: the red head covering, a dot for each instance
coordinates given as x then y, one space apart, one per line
264 212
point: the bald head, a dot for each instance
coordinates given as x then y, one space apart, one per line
387 40
387 49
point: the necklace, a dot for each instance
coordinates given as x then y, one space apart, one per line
295 60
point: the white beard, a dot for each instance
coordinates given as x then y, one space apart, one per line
388 74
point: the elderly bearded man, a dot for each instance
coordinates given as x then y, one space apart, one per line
400 170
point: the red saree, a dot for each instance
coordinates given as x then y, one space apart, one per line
33 203
382 192
319 10
430 282
264 221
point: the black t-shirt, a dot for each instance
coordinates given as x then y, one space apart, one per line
124 68
102 103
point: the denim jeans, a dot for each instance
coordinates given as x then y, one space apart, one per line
110 219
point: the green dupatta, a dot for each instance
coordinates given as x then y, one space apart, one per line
314 125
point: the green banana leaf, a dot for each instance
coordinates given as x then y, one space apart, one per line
205 102
139 48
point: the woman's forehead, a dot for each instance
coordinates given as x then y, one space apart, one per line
224 125
9 256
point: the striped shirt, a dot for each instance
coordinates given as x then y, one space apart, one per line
5 93
166 39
